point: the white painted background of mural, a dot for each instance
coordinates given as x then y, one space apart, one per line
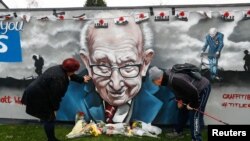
228 114
12 110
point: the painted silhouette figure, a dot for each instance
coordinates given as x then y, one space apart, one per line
247 61
39 62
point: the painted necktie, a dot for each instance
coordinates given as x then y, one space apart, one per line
109 112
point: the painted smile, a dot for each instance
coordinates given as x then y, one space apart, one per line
117 94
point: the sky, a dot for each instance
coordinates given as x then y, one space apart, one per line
111 3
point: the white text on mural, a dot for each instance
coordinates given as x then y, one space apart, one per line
3 46
6 26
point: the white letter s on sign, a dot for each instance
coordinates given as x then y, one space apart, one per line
3 47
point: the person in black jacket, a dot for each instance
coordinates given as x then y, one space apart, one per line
188 92
43 96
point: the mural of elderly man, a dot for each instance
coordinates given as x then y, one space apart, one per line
117 58
214 40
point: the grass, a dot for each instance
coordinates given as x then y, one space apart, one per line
35 132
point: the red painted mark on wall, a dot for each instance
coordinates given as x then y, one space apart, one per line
9 99
230 100
235 105
236 96
17 99
5 99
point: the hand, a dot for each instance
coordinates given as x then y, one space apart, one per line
86 78
189 108
217 53
55 113
179 104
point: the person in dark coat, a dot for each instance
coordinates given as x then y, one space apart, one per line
188 92
43 96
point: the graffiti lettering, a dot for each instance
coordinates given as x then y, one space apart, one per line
236 96
5 26
235 105
10 99
17 99
5 99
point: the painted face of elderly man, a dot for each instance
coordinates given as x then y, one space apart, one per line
116 58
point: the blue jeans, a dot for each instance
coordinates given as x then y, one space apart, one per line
213 63
196 118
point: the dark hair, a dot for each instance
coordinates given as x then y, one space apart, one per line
34 57
70 65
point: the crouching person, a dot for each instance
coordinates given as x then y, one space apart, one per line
192 96
43 96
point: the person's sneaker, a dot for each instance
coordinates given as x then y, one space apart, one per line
175 134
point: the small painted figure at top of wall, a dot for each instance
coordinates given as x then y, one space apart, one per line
247 61
39 62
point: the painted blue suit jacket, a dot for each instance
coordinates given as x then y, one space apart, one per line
152 104
215 44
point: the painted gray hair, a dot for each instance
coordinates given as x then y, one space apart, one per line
144 26
155 73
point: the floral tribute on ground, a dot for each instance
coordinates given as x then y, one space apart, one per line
137 128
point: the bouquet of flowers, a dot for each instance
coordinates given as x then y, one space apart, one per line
139 128
79 116
112 129
128 131
82 128
143 129
93 130
77 130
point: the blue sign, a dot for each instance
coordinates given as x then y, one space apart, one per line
10 46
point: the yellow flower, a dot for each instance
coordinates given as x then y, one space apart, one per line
94 130
136 124
129 132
